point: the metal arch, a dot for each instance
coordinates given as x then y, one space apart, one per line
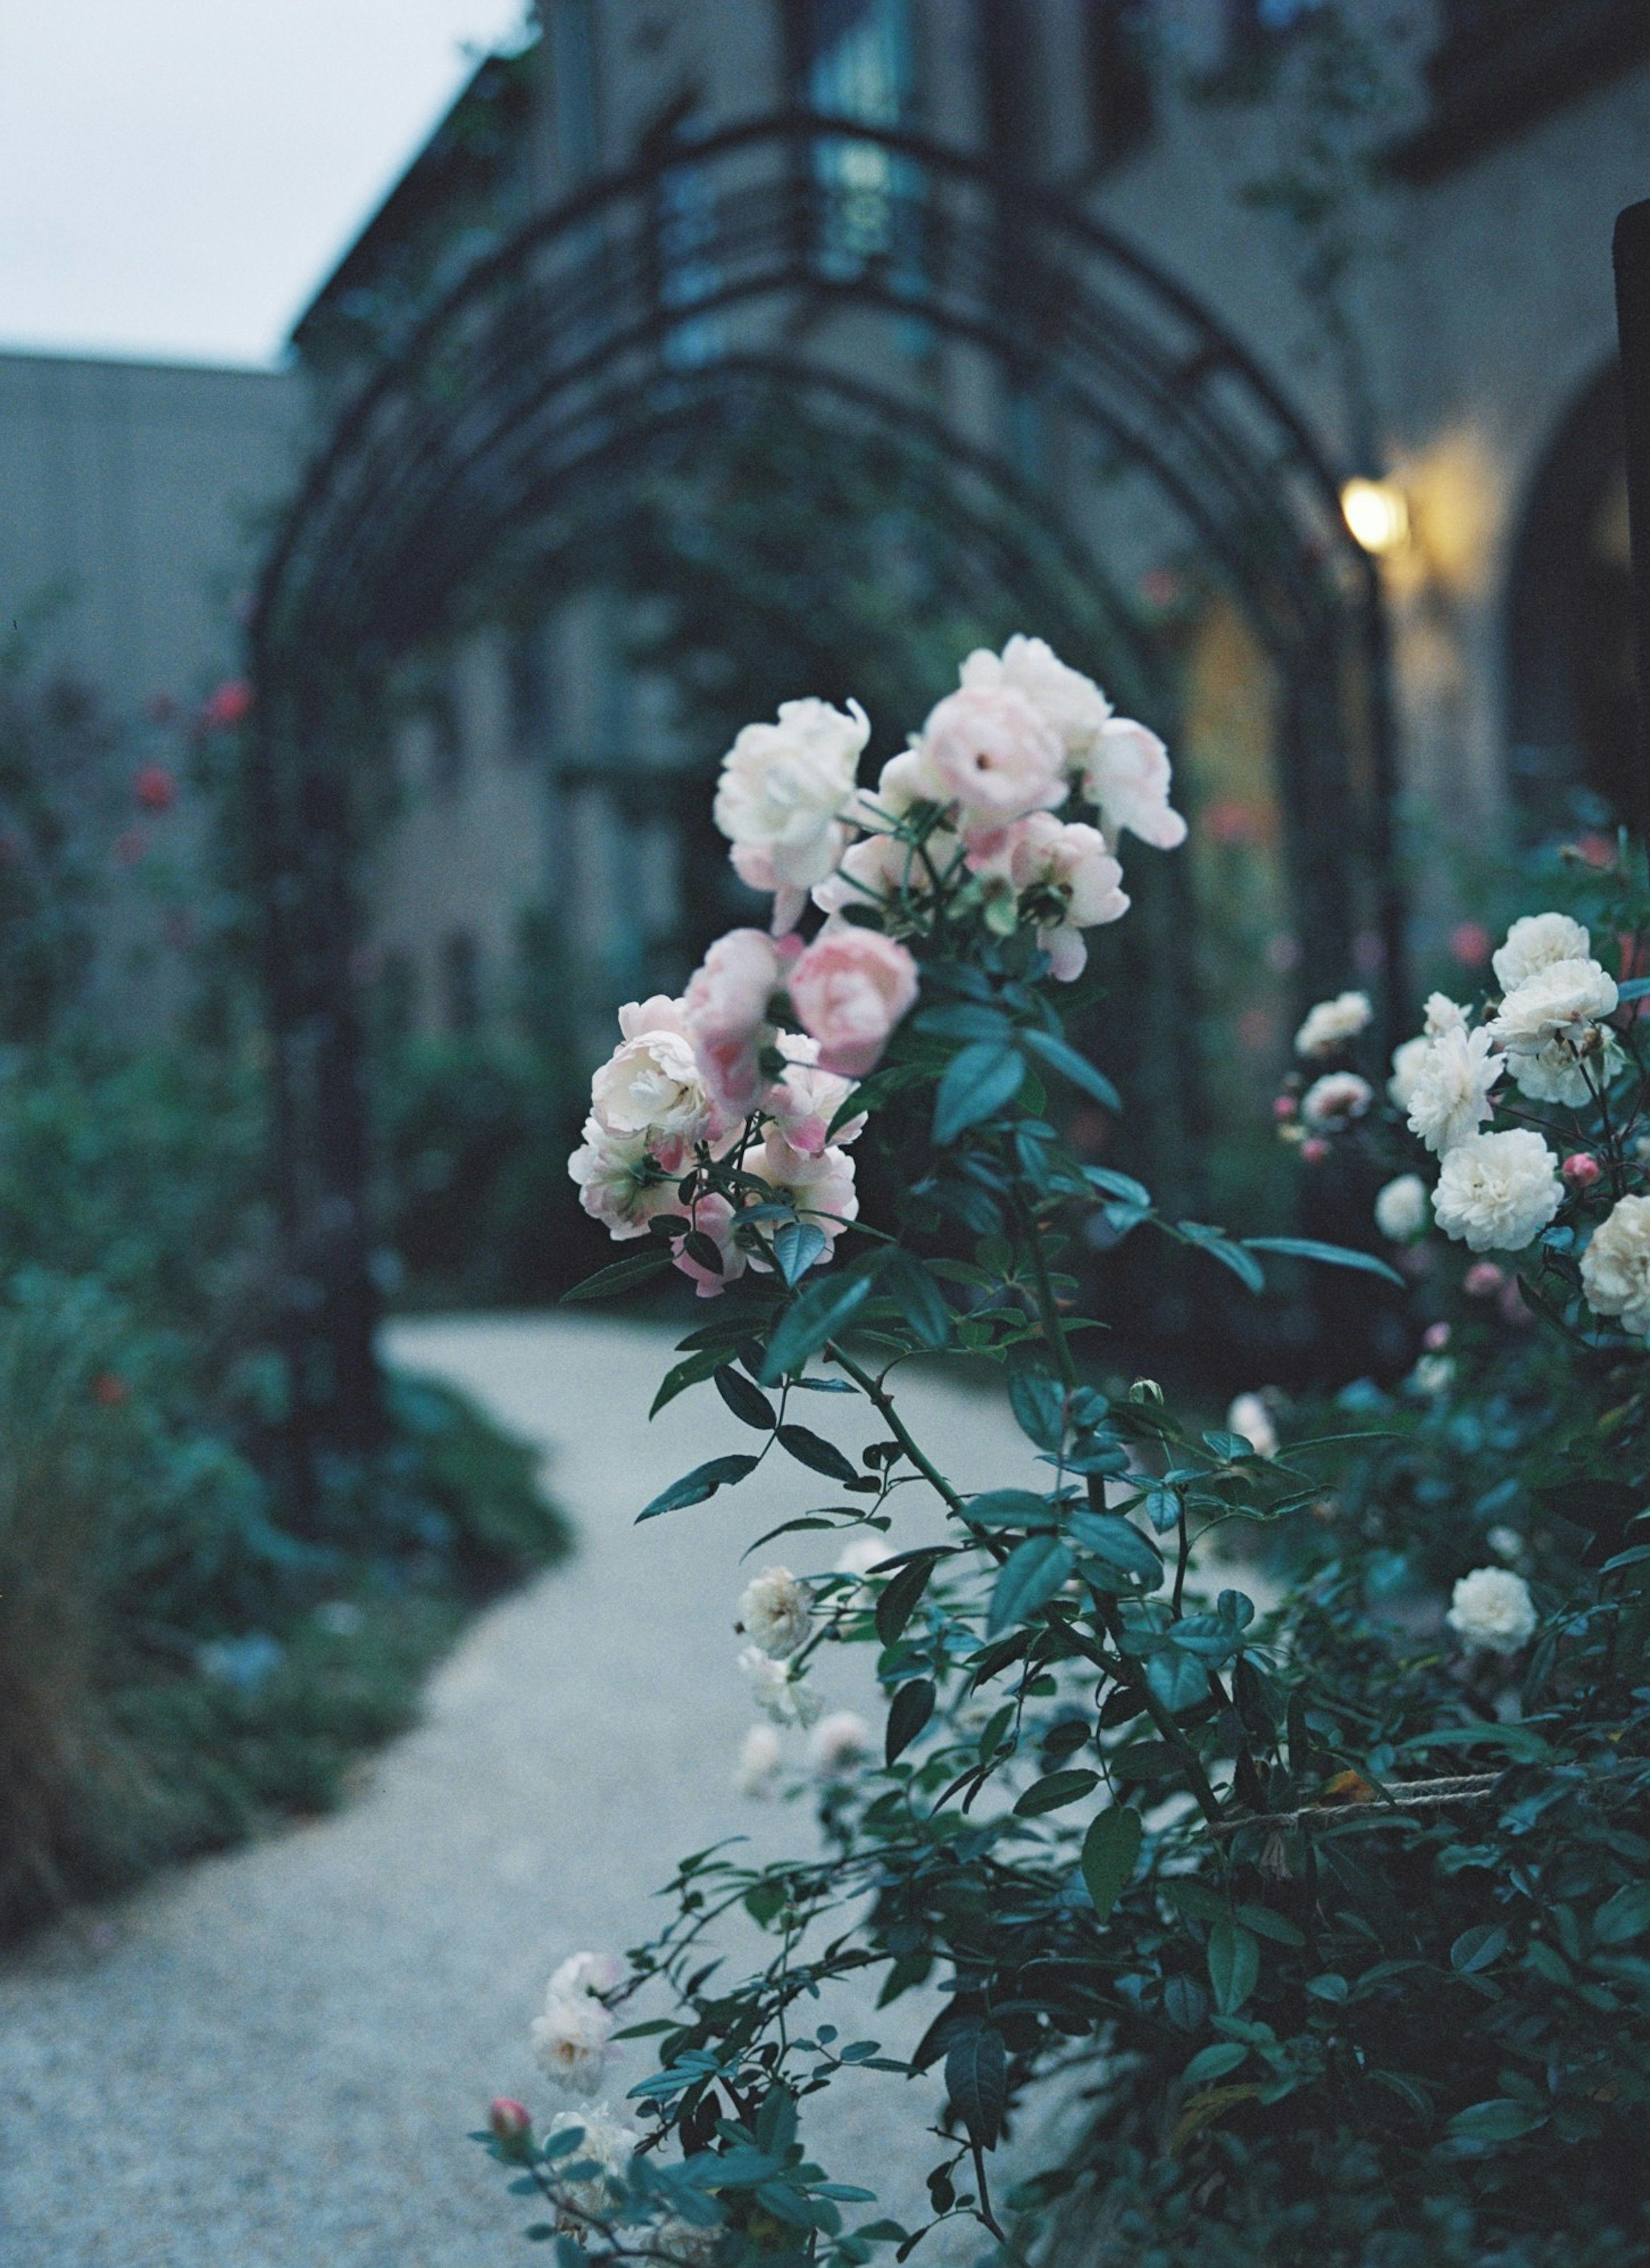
487 407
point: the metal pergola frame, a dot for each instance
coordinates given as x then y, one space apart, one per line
587 333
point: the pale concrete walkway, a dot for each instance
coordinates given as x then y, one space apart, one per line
270 2061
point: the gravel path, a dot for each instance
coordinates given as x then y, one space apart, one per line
270 2060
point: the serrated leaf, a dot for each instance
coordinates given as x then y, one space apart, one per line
1111 1848
796 1247
1010 1508
747 1401
898 1604
1039 1405
1054 1791
909 1712
692 1488
1108 1536
1032 1572
813 1450
618 1276
976 1084
1234 1964
1076 1068
1332 1255
918 1298
823 1309
976 2080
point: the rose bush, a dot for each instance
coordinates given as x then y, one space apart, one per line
1333 1914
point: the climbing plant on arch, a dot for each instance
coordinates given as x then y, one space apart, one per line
1091 417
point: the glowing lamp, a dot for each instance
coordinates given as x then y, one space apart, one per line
1378 514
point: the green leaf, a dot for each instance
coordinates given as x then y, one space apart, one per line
909 1712
1076 1068
1218 1246
1010 1508
976 2080
1332 1255
1623 1917
898 1604
1113 1184
822 1456
1115 1541
694 1487
1033 1573
1110 1850
1235 1965
1054 1791
822 1310
796 1247
1214 2062
1265 1923
977 1082
1180 1680
676 1380
965 1020
747 1401
1039 1405
1477 1949
918 1297
1498 2120
618 1276
704 1249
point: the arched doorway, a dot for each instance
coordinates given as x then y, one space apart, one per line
1571 690
1084 430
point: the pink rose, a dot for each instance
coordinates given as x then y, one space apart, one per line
992 751
712 1217
849 989
726 1009
820 1188
1127 773
805 1101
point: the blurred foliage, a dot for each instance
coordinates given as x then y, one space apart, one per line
176 1665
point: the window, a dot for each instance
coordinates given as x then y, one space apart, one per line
853 60
461 981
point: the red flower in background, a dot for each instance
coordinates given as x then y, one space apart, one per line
155 788
228 706
108 1389
1470 944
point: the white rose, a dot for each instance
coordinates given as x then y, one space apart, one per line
1407 1059
1535 942
805 1100
761 1759
840 1741
1562 1002
1449 1097
588 1972
1249 1418
782 1698
571 2040
1332 1023
1335 1098
1443 1014
1401 1210
1434 1373
1615 1266
607 2143
620 1183
651 1085
1128 776
1497 1191
818 1188
1072 704
1491 1608
775 1610
1554 1073
783 795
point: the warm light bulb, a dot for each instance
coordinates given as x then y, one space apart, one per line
1377 513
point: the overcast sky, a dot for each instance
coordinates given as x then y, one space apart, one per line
176 176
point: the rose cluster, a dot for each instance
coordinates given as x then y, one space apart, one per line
987 816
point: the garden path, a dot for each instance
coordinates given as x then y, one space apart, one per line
270 2060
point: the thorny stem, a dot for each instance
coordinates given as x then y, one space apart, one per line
882 1401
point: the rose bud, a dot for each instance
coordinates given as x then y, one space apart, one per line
1285 1107
1580 1171
1483 1280
1435 1338
512 2123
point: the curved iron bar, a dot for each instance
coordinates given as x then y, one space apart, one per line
568 343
